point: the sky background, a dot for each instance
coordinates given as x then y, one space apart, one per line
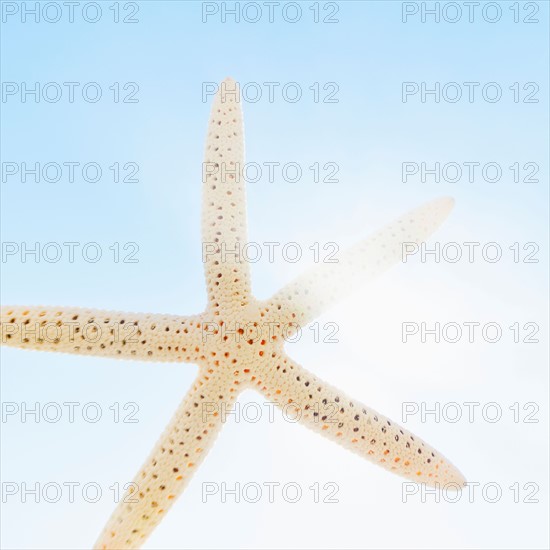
369 132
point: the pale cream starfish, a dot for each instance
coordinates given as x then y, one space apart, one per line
224 342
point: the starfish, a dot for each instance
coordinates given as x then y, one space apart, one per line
238 342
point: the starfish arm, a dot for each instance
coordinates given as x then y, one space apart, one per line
224 203
330 412
104 333
171 464
309 295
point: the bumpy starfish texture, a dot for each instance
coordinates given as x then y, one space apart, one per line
238 343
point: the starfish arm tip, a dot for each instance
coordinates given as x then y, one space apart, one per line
460 478
444 205
450 200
